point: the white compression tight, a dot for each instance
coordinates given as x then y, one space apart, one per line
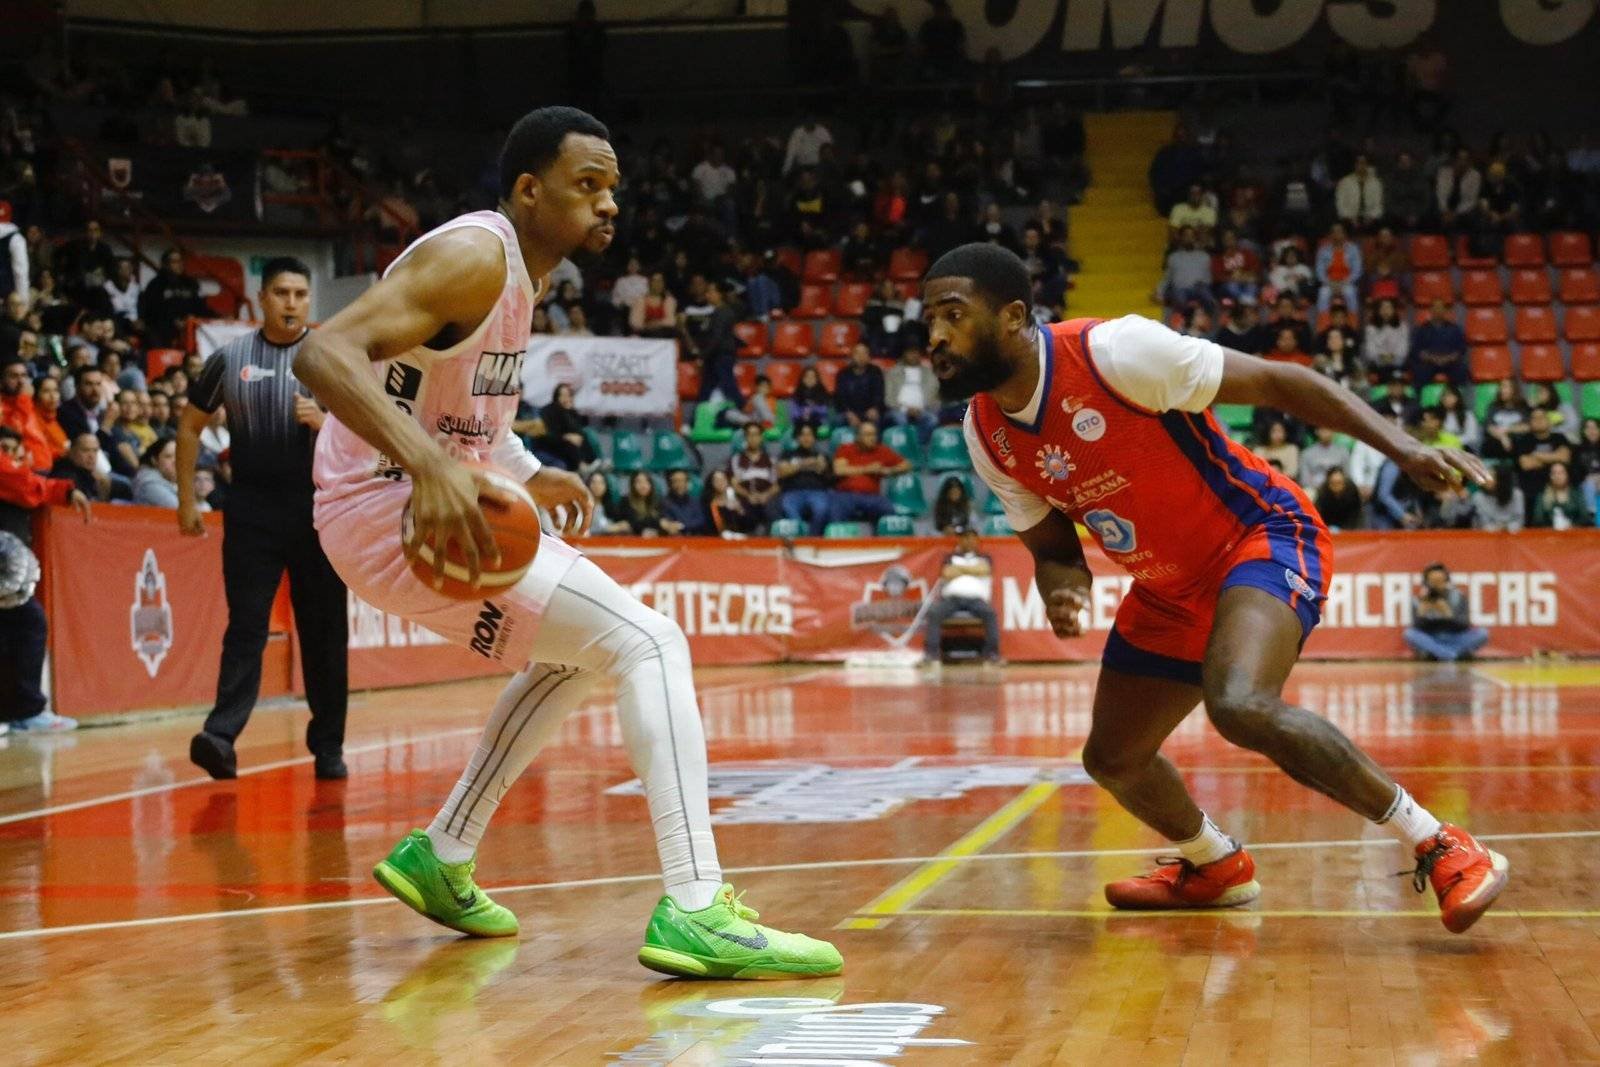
594 629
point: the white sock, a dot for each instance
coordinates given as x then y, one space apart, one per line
1207 846
1408 821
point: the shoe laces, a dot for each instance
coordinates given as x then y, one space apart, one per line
736 904
1443 845
459 878
1185 868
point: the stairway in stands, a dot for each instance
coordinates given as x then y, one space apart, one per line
1116 234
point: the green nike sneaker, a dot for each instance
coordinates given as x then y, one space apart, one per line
721 941
444 892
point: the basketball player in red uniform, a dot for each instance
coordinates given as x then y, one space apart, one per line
1104 423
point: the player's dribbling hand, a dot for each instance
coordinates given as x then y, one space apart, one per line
445 511
1433 469
189 522
1064 607
564 492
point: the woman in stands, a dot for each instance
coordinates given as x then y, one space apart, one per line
1339 501
1560 506
1500 508
1388 339
46 402
811 404
655 314
1459 419
642 510
156 484
1507 416
953 509
563 431
1586 464
605 508
1563 419
728 514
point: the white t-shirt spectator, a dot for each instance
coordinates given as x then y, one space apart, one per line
711 180
969 586
629 288
1150 364
912 397
805 146
124 302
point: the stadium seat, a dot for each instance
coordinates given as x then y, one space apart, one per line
1586 362
782 428
947 450
814 302
992 505
688 381
828 370
670 452
844 530
1524 250
627 451
822 265
1589 400
1235 416
1481 287
705 429
1583 324
838 338
1483 394
1536 325
1486 326
903 439
1531 285
896 526
842 435
791 259
697 482
852 299
1466 259
1489 363
1580 285
1429 395
744 372
785 376
908 264
752 339
788 528
1430 285
996 526
1541 363
793 340
905 493
1430 252
1570 249
157 361
228 273
908 290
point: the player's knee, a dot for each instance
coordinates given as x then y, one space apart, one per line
1110 764
1242 716
649 636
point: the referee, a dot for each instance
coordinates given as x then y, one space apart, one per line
266 524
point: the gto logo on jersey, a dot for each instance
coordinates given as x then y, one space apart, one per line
252 373
1054 463
488 640
150 617
1089 425
498 374
1116 533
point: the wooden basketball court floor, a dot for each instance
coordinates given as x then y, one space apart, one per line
938 828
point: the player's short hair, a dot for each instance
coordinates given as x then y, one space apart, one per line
535 141
283 265
997 274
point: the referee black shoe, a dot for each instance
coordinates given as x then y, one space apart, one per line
214 755
330 767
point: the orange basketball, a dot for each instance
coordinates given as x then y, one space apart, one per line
516 530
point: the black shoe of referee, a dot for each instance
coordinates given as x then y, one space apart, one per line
330 767
214 755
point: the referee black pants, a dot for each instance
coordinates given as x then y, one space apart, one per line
263 533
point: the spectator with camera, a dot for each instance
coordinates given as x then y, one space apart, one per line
1441 628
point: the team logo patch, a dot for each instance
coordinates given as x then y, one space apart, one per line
1002 445
1116 534
1054 463
1089 424
1299 584
150 616
403 381
252 373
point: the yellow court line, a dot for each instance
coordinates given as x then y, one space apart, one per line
1223 913
906 892
1534 768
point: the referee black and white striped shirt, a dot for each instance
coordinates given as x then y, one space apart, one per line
254 379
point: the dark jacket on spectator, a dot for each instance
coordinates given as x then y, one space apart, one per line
859 391
689 510
167 301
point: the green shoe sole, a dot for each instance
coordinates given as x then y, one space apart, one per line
685 965
408 894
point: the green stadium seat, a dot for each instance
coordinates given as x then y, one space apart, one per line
1563 390
788 528
627 451
842 435
996 526
1482 396
697 482
705 429
896 526
669 452
782 426
845 530
992 505
591 436
905 493
618 483
1429 397
903 439
947 450
1235 416
1590 407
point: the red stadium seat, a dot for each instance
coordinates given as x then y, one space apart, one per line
1542 363
1466 259
745 375
1570 249
908 264
823 265
1430 285
1486 326
688 381
828 370
157 361
1580 285
791 259
1490 363
1430 252
752 339
793 340
814 302
1586 362
1524 250
1536 326
838 338
1530 285
908 290
1583 324
785 376
1481 287
852 299
228 273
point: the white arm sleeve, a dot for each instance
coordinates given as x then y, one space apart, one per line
1154 366
1024 510
513 456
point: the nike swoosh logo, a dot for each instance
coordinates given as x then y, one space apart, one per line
461 901
757 942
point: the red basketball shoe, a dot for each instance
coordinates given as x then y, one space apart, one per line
1177 883
1466 876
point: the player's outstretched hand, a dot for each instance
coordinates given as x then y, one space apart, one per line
564 498
445 511
1064 607
1434 469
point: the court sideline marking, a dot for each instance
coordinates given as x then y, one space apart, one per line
776 868
278 765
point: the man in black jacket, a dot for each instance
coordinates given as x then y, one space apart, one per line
170 298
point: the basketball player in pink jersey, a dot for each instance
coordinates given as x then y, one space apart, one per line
1104 423
423 371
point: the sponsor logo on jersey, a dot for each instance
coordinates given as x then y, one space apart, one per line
1002 445
252 373
469 427
1069 404
491 632
1098 487
150 617
498 374
1054 463
1089 424
1299 584
1116 534
402 381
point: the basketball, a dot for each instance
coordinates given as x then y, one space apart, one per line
516 530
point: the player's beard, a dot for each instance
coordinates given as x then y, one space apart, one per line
983 372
